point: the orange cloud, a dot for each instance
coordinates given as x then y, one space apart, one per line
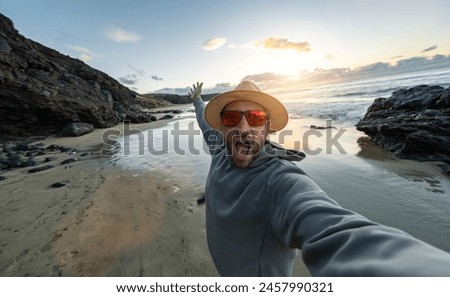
280 43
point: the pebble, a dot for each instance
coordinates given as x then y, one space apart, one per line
58 185
201 199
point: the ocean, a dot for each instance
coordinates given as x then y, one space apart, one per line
346 103
404 194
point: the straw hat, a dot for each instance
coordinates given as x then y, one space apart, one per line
247 91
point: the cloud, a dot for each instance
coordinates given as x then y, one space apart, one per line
429 49
263 77
277 82
137 71
378 69
155 77
121 36
280 43
85 54
218 88
373 68
273 82
267 80
214 43
179 91
132 78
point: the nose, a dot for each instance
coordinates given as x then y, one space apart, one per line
243 124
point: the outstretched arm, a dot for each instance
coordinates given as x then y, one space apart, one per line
338 242
212 137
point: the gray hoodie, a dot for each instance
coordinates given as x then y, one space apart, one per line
257 218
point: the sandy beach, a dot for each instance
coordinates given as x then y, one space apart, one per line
121 215
104 221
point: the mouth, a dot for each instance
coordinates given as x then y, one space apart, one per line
244 148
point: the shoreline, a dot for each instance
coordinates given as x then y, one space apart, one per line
114 219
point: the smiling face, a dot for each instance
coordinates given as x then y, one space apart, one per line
244 142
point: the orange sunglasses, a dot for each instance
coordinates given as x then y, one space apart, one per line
232 118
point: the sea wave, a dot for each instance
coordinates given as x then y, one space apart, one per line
347 103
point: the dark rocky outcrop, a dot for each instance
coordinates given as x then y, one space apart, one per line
413 123
42 90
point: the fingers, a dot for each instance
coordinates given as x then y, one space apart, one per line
196 90
198 86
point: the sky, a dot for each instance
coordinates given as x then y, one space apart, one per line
167 45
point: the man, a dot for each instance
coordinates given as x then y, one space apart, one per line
261 207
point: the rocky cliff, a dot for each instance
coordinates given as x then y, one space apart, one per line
413 123
42 90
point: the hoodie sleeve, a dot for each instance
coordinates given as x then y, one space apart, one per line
212 137
338 242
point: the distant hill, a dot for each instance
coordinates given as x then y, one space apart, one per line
176 99
42 90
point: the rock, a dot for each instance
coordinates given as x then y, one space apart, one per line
167 117
49 159
412 123
54 147
58 185
39 169
68 161
201 199
445 168
76 129
139 117
30 162
322 127
42 90
5 48
16 160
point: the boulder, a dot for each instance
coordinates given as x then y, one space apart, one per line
412 123
76 129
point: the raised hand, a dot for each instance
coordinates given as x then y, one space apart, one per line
196 91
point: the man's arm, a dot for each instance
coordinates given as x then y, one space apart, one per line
338 242
212 137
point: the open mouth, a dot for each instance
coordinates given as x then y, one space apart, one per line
244 147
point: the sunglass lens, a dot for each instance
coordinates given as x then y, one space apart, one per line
256 118
231 118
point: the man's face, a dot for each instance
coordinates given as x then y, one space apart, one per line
243 141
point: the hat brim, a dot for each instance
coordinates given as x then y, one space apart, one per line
278 116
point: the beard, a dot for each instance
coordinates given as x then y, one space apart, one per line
244 147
